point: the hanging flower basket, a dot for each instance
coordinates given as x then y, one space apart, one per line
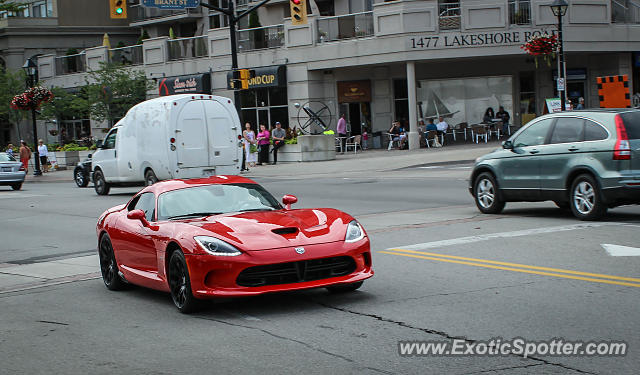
53 132
31 98
544 45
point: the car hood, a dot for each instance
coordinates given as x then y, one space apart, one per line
265 230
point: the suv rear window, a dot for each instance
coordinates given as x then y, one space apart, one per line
632 124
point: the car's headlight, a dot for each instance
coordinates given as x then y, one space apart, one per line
354 232
217 247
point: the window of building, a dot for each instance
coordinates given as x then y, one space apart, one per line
265 106
400 99
449 14
527 97
218 20
359 6
519 12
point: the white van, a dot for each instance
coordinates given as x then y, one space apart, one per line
177 136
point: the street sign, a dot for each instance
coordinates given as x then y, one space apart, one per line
171 4
560 84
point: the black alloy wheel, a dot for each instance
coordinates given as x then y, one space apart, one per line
346 288
150 177
100 184
80 177
585 198
485 192
108 265
180 284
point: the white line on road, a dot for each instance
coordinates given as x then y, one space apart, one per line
491 236
621 251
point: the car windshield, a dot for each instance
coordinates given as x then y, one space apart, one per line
214 199
6 157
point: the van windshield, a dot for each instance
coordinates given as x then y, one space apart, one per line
632 124
214 199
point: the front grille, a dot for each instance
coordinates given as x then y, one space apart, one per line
296 272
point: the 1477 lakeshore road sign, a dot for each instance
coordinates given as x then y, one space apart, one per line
171 4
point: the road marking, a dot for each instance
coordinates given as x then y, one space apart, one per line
599 275
621 251
432 167
602 281
491 236
20 195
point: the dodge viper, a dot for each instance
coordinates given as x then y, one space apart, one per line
226 236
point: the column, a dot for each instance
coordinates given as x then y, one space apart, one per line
413 135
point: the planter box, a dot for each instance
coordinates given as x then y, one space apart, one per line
67 158
309 148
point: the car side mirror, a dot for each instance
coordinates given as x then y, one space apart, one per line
138 215
288 200
99 144
507 145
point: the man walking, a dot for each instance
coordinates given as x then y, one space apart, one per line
278 135
341 129
504 116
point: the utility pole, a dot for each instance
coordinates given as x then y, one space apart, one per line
233 20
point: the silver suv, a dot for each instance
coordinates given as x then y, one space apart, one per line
588 161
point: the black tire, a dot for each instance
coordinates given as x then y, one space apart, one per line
562 204
346 288
17 186
180 284
80 177
486 194
585 198
108 265
100 184
150 177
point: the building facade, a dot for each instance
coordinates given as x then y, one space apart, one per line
62 28
380 61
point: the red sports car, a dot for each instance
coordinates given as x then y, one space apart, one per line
226 236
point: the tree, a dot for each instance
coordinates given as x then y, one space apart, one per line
65 105
10 6
113 90
11 84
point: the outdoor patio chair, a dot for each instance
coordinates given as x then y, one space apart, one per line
391 141
462 128
353 141
431 137
480 132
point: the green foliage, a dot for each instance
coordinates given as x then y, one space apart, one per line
254 20
113 90
143 36
11 84
65 105
10 6
292 141
72 51
72 147
121 44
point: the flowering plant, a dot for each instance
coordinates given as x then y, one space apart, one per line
544 45
31 98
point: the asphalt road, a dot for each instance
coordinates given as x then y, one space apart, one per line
443 271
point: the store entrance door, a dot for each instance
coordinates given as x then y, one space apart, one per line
357 116
575 91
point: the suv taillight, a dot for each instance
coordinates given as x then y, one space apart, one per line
622 151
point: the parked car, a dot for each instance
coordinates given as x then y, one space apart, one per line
176 136
587 161
82 172
12 172
226 236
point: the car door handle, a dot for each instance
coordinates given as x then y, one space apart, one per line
534 151
573 149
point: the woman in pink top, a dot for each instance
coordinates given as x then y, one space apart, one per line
263 144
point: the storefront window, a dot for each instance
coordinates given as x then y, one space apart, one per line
527 97
265 106
401 103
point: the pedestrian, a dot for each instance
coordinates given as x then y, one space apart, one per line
263 145
278 135
397 135
250 146
504 116
10 149
44 153
442 127
341 129
25 155
580 104
488 116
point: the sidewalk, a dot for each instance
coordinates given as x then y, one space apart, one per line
51 176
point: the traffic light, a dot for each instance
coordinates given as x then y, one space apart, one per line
241 78
298 12
118 9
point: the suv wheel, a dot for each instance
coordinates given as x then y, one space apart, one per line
586 202
80 177
150 177
100 184
485 192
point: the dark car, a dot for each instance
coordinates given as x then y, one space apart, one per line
588 161
82 172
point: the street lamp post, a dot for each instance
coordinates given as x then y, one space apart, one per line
31 69
559 9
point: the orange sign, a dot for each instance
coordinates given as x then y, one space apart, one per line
354 91
614 92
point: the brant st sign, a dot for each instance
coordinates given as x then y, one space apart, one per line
171 4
